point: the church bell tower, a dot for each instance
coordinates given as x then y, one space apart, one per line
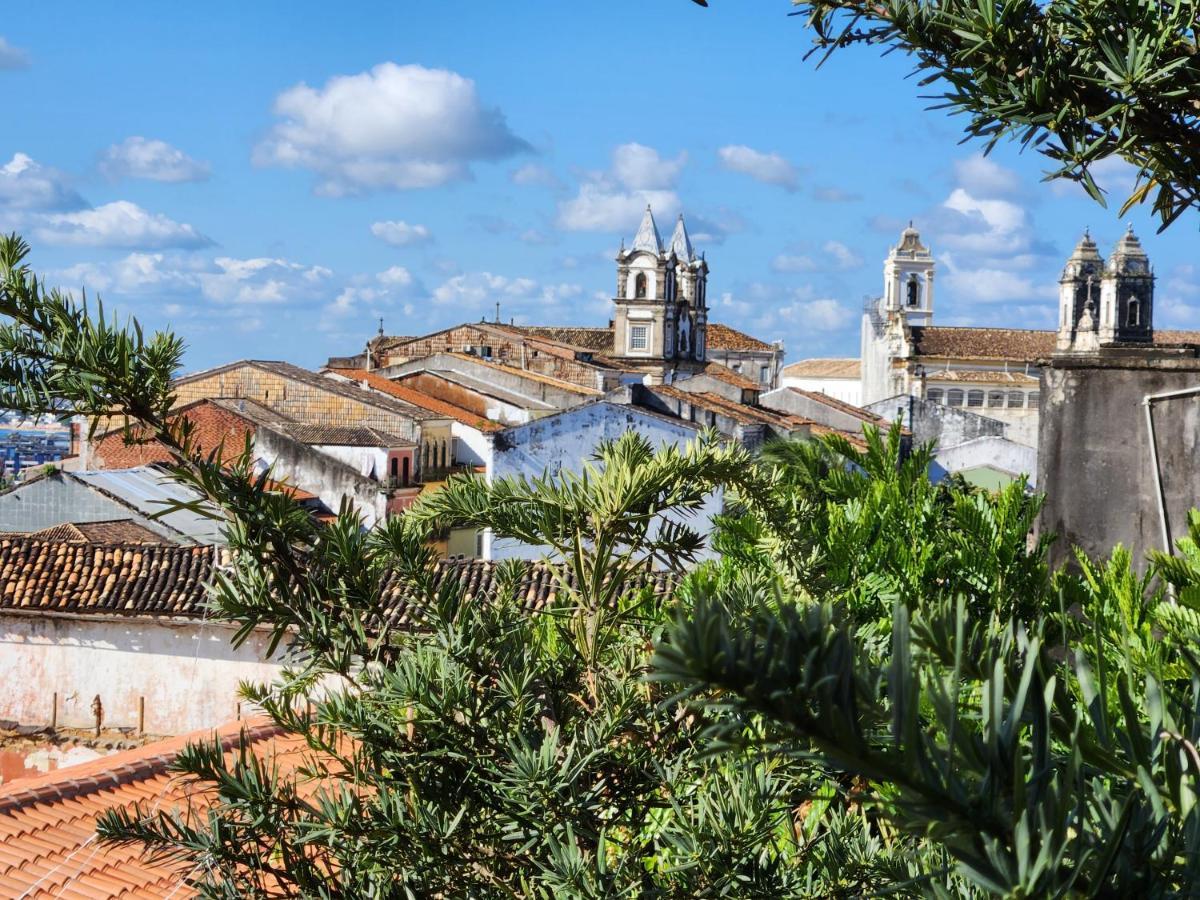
661 307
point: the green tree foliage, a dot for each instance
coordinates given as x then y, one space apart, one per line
877 689
1079 80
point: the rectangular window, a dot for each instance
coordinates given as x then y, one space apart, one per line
639 337
1032 401
954 397
934 395
1016 399
996 399
975 398
764 374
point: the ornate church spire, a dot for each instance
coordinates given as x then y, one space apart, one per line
647 237
681 244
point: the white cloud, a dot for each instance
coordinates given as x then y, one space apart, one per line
12 57
262 281
533 175
769 168
139 157
982 177
793 262
834 195
117 224
824 314
614 200
394 127
135 274
840 256
600 208
640 168
835 257
27 185
480 291
400 234
391 289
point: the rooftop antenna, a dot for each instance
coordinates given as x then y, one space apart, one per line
381 326
497 312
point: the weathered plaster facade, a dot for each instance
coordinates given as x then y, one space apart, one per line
186 671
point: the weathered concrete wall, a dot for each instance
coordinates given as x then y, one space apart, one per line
328 478
699 384
787 400
188 672
54 499
1095 459
848 390
996 453
750 363
562 442
945 426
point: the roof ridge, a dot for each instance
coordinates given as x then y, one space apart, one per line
109 772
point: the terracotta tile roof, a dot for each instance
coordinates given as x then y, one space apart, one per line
47 822
111 531
739 412
1007 343
972 376
215 423
344 435
600 340
65 576
597 340
724 373
982 343
824 368
532 376
167 580
842 406
536 587
418 398
722 337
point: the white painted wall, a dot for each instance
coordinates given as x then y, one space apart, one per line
366 461
562 442
472 447
187 671
848 390
992 452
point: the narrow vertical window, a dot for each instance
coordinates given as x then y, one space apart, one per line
639 285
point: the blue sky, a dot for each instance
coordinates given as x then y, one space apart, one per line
268 179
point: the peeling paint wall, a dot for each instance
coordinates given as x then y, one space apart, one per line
562 442
188 672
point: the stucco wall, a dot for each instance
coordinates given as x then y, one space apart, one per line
848 390
787 400
944 426
990 452
1095 460
327 477
188 673
560 443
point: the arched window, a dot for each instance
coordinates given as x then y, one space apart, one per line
639 285
934 395
996 399
404 478
914 290
1016 399
954 397
975 398
1134 314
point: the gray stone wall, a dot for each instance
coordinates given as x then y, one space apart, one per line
1096 463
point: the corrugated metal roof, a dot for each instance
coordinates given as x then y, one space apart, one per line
149 490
